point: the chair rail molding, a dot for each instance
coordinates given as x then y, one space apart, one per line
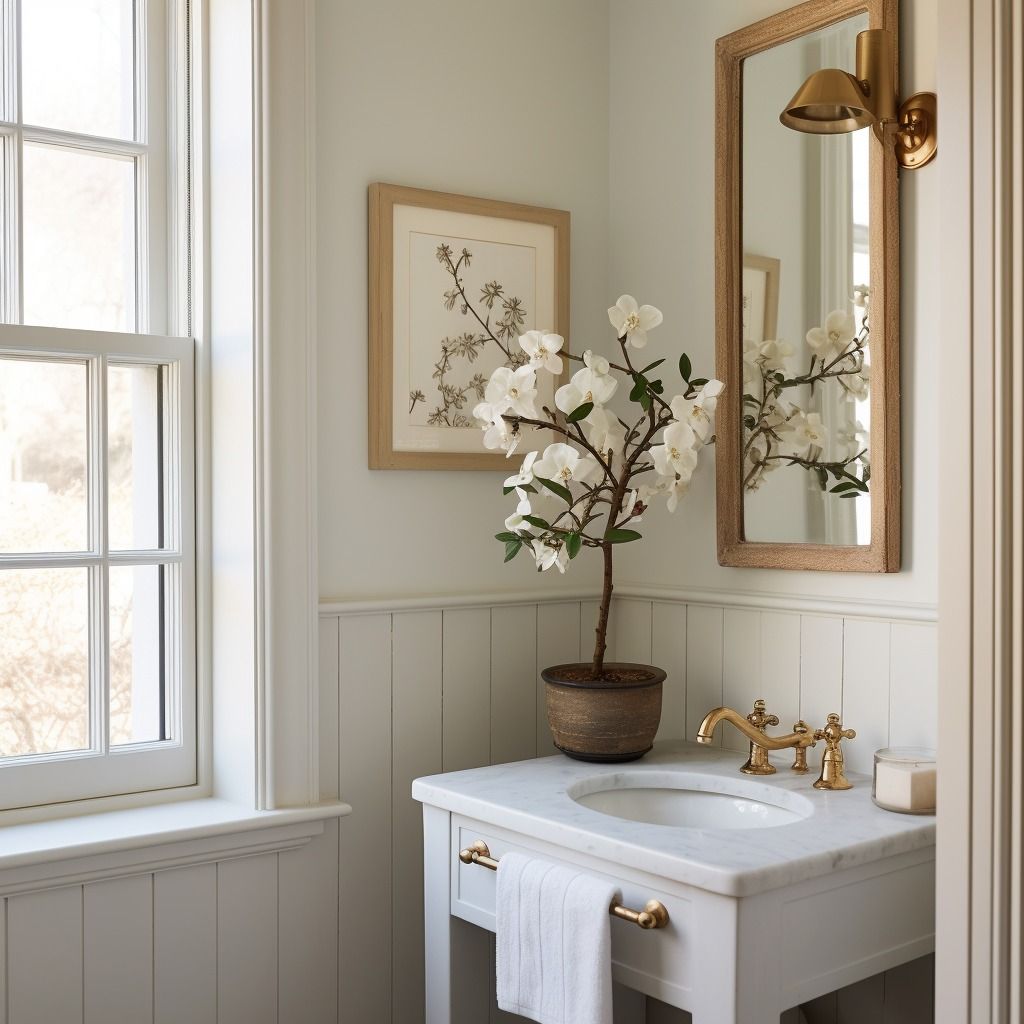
979 854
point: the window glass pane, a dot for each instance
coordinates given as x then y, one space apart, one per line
136 654
78 66
134 439
79 231
44 661
43 456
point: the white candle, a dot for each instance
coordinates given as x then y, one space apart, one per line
905 780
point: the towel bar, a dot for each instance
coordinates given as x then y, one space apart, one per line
654 914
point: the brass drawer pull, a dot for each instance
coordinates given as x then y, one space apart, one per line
654 914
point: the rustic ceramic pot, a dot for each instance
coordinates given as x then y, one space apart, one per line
604 720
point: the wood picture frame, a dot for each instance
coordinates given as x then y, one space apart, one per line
883 553
768 268
404 223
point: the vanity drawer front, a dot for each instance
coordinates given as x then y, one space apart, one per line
658 962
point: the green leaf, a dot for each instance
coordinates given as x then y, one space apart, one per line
529 488
645 402
581 412
685 369
512 548
573 543
749 422
839 488
541 524
850 494
562 492
638 392
657 387
621 536
651 366
505 536
699 382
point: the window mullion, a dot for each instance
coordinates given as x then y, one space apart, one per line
99 684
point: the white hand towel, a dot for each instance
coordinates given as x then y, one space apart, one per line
554 960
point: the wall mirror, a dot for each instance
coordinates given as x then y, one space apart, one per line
807 235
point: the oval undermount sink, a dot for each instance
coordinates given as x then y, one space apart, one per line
690 800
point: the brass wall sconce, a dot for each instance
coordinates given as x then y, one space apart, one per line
831 102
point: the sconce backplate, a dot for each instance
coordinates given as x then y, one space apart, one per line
917 131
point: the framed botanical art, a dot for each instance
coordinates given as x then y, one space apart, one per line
454 282
760 298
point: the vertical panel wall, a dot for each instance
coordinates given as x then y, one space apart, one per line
249 939
449 687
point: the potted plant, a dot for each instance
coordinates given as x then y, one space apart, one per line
590 488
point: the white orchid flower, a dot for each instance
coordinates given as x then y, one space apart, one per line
699 411
861 295
563 465
513 391
587 385
543 349
675 457
676 491
835 336
606 432
858 384
808 430
546 556
517 521
598 364
525 474
632 322
772 354
633 507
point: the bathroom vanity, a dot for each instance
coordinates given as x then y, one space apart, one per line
773 892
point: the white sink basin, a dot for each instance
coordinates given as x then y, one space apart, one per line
690 800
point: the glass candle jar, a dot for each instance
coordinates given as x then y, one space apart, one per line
904 780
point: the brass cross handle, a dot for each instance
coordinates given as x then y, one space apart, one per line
759 717
832 775
800 758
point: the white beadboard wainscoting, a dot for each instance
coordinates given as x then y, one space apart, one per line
424 686
192 932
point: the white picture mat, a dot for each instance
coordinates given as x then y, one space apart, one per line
519 254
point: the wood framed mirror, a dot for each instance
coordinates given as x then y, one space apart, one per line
807 291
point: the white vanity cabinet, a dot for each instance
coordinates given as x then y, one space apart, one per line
760 919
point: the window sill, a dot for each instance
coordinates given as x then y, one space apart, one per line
43 855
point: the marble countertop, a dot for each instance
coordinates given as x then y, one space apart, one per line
841 830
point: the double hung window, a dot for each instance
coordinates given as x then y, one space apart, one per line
97 507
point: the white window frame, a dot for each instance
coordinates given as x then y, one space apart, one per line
150 150
166 268
103 770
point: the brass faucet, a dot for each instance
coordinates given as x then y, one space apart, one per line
832 774
753 727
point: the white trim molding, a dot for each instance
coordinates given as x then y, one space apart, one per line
85 849
981 807
261 338
806 604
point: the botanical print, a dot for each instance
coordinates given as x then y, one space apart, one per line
780 432
470 299
459 351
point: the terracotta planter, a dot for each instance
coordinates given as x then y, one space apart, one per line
604 720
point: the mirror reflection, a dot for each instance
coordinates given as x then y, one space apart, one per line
806 283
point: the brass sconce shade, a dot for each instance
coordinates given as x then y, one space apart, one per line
832 102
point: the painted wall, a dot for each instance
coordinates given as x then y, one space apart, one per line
458 96
662 235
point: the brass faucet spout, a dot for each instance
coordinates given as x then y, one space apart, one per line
706 732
